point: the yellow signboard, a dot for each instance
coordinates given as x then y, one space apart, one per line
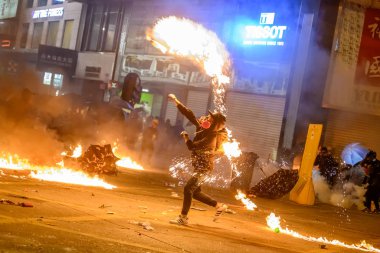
303 191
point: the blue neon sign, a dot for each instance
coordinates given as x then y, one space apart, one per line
266 33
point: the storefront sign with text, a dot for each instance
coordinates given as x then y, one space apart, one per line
266 33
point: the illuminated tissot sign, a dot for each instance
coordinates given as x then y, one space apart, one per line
266 33
48 13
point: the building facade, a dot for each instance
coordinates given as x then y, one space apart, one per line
286 59
114 44
46 43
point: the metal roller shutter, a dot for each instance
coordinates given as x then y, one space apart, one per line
344 128
255 121
171 113
197 101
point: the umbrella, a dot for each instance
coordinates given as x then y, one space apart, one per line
276 185
354 153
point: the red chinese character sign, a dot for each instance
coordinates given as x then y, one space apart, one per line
368 66
354 75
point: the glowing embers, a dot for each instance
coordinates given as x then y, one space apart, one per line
246 201
273 223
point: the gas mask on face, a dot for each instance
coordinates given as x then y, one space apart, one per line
205 123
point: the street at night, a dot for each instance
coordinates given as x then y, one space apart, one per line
68 218
189 126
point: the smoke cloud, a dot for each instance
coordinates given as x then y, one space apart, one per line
38 127
346 195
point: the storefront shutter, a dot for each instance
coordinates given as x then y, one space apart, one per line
171 113
197 101
255 121
343 128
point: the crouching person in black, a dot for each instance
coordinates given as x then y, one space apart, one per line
209 136
372 168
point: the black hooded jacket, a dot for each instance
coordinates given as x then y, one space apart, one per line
206 142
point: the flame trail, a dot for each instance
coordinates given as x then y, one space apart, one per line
246 201
183 37
273 223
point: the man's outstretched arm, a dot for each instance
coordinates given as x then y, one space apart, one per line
184 110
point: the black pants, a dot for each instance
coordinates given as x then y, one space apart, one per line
372 194
193 190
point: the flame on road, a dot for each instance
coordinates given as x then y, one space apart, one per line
56 174
13 162
125 162
246 201
273 223
128 163
64 175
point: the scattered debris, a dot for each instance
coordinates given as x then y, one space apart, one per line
104 206
175 195
323 246
10 202
230 211
172 185
25 204
198 208
7 201
17 196
109 212
145 224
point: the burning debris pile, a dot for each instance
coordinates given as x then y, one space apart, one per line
99 159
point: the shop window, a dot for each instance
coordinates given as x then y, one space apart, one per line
58 81
47 78
51 38
42 3
57 2
37 34
103 22
67 32
29 3
111 29
96 26
24 35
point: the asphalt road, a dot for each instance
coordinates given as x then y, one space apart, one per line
135 216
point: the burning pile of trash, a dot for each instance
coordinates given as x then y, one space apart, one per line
98 159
